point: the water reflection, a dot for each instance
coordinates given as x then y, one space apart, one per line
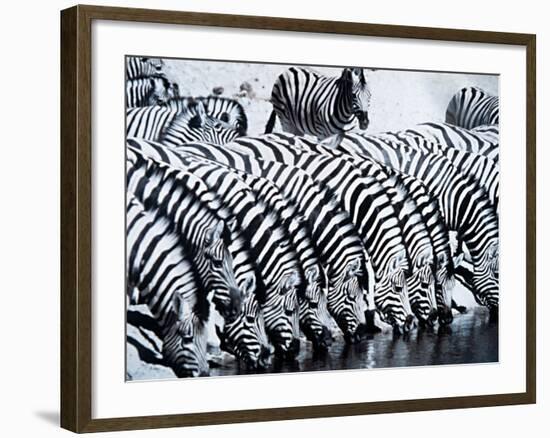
470 339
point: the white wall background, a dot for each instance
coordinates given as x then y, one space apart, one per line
29 215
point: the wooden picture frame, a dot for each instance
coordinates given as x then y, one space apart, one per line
76 218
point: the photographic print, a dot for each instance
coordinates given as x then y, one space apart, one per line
293 218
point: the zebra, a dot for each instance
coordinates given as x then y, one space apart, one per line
483 169
196 125
477 141
428 209
340 250
142 67
471 107
147 91
161 272
371 212
464 204
417 241
314 320
223 109
278 267
148 122
307 102
161 124
204 233
245 337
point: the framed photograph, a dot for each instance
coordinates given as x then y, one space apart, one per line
267 219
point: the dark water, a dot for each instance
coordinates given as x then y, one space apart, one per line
469 339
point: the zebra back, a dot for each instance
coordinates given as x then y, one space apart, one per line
471 107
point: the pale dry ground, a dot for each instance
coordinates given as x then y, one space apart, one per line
400 99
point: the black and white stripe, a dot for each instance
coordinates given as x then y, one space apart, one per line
465 205
224 109
472 107
206 236
307 102
159 267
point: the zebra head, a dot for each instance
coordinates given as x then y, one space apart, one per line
443 291
391 297
281 316
197 126
221 277
184 346
485 277
313 312
360 94
346 302
161 90
421 287
245 337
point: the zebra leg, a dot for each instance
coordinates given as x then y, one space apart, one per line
370 325
493 315
271 122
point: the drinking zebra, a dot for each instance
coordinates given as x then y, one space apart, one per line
278 266
205 235
340 250
245 337
421 279
472 107
465 205
307 102
160 269
370 210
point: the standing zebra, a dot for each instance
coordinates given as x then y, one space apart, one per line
309 103
205 235
472 107
167 283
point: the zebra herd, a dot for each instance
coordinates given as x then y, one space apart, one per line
284 234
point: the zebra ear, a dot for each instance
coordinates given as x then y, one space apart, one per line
358 73
353 267
182 307
346 75
312 274
249 285
291 280
458 259
213 234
